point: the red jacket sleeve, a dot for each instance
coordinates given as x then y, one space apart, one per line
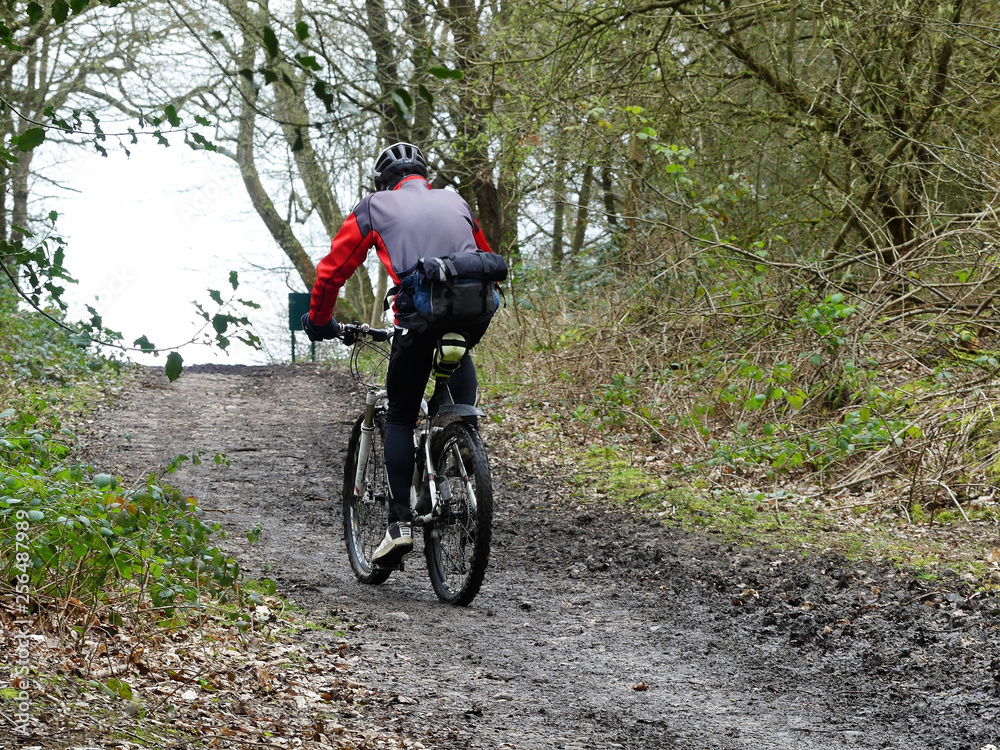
347 251
481 242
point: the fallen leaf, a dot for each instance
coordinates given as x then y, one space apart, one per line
640 686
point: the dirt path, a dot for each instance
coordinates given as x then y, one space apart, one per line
594 629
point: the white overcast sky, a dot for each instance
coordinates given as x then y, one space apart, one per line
147 234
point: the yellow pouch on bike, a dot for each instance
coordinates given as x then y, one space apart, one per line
448 353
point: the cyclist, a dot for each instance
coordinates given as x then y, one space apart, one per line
404 220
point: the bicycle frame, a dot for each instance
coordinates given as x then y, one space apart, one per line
372 399
450 492
447 411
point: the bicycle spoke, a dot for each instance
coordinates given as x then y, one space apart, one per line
457 547
366 516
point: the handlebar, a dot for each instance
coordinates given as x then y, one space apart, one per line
351 332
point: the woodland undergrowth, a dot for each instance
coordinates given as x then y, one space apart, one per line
82 548
737 373
121 615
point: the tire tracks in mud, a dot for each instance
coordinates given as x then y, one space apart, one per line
594 629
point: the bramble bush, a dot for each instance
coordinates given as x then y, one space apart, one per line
743 358
83 545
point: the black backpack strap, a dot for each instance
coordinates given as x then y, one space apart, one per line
386 304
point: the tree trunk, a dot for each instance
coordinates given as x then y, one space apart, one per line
472 122
510 199
558 251
607 188
416 26
377 29
582 211
262 203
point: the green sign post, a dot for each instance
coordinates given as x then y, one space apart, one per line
298 305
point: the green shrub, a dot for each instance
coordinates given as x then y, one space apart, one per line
74 541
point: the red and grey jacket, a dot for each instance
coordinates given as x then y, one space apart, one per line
404 224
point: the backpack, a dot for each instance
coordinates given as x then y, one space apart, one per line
454 290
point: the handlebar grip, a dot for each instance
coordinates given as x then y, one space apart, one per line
363 330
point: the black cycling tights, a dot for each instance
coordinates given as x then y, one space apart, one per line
409 368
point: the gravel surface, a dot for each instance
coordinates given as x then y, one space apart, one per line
595 628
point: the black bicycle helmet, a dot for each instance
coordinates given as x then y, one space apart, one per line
396 162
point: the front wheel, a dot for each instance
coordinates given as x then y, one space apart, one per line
366 508
457 542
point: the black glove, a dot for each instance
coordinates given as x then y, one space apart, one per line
320 333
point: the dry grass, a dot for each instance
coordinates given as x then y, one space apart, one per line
859 394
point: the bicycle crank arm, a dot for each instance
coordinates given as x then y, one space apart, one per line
422 520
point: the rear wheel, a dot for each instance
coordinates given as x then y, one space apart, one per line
366 512
457 542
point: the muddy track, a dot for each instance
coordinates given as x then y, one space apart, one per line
594 629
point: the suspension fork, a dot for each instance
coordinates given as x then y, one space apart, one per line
367 435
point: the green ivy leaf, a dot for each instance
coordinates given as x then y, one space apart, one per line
144 343
175 364
270 42
309 62
323 94
30 138
444 73
60 10
198 141
302 30
171 113
215 295
403 103
234 279
35 13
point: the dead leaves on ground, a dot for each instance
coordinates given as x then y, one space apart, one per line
208 684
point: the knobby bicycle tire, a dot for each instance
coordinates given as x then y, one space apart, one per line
457 544
367 514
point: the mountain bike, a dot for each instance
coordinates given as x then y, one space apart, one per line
451 495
